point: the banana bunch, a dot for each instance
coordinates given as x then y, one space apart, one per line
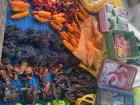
93 6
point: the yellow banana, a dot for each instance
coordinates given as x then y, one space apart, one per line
89 98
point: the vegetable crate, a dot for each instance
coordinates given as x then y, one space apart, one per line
117 75
111 44
110 96
112 17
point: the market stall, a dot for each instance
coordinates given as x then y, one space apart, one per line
68 52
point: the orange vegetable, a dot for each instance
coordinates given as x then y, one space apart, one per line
69 27
74 24
40 19
76 28
77 36
17 9
59 15
72 36
20 15
55 26
83 11
73 40
81 16
74 43
64 36
68 45
59 24
60 19
43 14
19 4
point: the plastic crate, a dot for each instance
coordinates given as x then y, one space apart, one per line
110 96
116 75
111 48
110 19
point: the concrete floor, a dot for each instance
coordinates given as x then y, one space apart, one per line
133 14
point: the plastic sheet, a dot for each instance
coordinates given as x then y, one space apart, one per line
25 24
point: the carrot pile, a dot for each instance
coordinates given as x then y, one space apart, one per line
20 7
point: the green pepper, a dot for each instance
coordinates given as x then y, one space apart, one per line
67 102
38 104
58 102
48 103
18 104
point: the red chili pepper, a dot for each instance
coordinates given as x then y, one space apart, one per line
49 3
44 2
55 12
47 7
37 3
58 4
71 13
53 3
40 1
37 8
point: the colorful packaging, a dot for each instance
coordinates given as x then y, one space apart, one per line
117 17
122 45
117 75
110 96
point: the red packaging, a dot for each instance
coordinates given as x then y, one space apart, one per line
127 48
117 75
122 46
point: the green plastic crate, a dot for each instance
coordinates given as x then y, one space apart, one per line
131 38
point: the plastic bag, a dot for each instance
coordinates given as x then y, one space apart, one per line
90 42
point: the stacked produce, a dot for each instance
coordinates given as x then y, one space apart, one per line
61 15
75 83
67 17
21 8
78 84
39 48
111 17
